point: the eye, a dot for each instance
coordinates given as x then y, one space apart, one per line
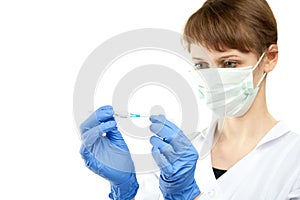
230 64
201 65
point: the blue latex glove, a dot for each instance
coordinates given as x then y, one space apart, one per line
176 157
106 153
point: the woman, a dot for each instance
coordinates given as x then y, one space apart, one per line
233 44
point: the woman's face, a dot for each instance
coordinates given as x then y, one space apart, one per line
204 58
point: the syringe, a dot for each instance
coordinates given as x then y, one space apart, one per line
129 115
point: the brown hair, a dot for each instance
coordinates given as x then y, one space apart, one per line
245 25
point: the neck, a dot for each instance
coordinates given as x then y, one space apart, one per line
253 125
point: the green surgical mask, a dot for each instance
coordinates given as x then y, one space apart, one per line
228 92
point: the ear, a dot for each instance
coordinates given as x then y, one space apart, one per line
271 58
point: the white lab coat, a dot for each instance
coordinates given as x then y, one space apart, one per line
270 172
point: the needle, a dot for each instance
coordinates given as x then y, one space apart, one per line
129 115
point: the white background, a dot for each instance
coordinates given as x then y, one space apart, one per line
42 47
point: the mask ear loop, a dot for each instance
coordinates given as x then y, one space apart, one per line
264 75
261 79
259 60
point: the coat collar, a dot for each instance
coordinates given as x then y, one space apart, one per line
277 131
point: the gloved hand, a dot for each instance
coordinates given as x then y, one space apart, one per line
106 153
176 157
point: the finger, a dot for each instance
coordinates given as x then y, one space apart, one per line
163 120
159 158
157 118
170 133
158 122
116 138
107 165
89 160
92 135
105 113
181 144
165 150
164 129
102 114
157 142
94 164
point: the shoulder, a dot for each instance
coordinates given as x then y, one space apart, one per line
280 135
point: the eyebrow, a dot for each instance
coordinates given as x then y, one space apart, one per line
227 56
222 57
196 58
